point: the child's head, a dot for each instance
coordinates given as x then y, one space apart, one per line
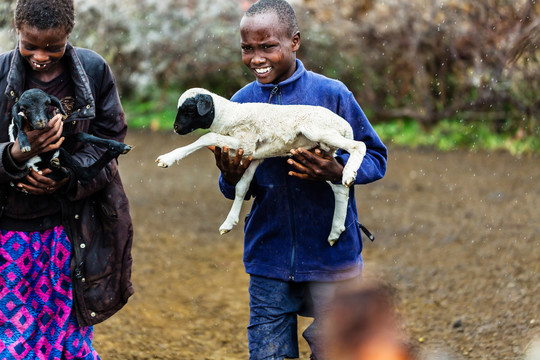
363 323
45 14
270 39
44 27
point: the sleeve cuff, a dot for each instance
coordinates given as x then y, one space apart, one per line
11 166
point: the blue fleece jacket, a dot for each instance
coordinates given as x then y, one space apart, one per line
287 228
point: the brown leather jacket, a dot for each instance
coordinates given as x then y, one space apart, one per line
96 216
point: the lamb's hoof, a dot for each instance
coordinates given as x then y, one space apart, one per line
161 163
25 149
55 162
118 148
223 231
127 148
334 235
348 181
348 177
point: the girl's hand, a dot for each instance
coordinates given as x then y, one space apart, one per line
231 169
315 165
37 183
41 141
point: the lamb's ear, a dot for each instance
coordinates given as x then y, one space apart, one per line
205 104
57 103
16 113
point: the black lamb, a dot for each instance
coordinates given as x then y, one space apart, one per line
32 110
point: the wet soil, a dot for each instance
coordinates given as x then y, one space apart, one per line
456 233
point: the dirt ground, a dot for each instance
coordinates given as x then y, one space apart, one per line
456 233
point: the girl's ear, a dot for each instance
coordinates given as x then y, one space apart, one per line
295 41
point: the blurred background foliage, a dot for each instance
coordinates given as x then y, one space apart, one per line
425 66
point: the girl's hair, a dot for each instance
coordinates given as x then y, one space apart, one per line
283 9
45 14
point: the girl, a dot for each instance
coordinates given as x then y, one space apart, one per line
64 266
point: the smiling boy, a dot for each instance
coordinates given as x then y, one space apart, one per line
293 270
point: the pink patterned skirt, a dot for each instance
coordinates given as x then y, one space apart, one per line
36 299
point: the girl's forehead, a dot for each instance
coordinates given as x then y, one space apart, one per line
52 36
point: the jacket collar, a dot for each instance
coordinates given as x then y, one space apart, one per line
84 100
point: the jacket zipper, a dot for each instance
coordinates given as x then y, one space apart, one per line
273 92
293 230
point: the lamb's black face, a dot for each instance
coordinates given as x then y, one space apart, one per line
195 113
34 103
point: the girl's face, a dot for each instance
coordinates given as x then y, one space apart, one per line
267 50
43 50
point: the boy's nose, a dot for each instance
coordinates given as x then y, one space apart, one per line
258 58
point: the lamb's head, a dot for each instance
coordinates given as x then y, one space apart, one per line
34 106
195 111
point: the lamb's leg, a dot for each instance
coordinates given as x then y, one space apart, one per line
341 197
85 174
334 139
357 151
115 148
240 193
209 139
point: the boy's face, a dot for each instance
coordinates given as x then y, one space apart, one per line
267 50
43 49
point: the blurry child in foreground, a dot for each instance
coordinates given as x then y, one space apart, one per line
363 324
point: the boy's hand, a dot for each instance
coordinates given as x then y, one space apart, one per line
231 169
315 165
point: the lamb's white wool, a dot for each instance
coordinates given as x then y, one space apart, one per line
533 350
267 130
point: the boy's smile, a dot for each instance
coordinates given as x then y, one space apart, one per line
43 50
267 50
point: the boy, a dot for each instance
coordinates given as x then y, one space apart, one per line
293 270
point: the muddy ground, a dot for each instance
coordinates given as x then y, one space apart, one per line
456 233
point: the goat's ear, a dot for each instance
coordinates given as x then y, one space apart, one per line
15 112
204 104
57 103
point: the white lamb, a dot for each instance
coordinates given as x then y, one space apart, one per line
263 131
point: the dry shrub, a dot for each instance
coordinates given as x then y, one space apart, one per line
433 60
422 59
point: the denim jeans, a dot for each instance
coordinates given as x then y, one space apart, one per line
274 307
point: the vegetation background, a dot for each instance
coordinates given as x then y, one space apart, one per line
444 73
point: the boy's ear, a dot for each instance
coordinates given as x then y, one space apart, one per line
295 41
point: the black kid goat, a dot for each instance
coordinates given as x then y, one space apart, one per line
31 112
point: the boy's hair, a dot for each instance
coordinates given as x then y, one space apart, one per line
45 14
283 10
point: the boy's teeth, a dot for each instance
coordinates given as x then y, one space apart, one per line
262 71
